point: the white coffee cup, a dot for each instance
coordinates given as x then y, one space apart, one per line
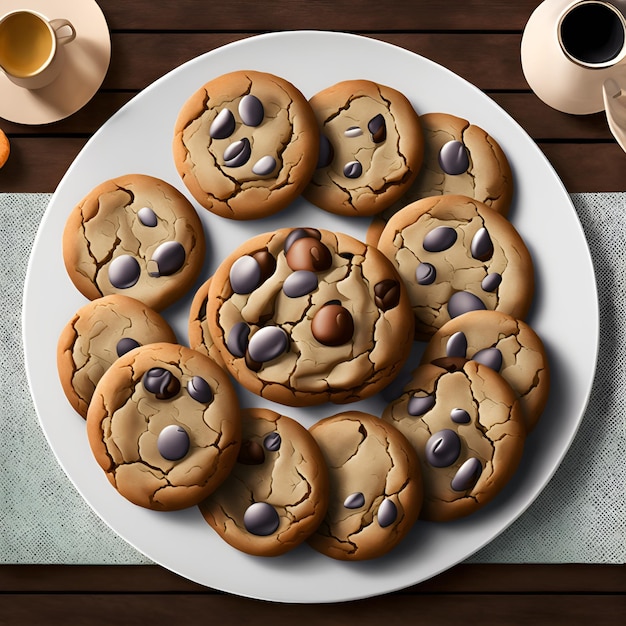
573 55
32 47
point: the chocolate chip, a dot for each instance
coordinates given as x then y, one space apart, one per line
443 448
200 390
491 357
272 442
387 513
463 302
460 416
450 363
491 282
353 169
310 254
251 364
457 345
332 325
261 519
326 153
147 217
420 405
467 475
161 382
453 158
169 258
238 153
387 294
173 443
353 131
126 344
300 283
267 344
377 128
354 501
425 274
439 239
300 233
124 271
267 264
251 110
264 166
251 453
223 125
481 246
237 340
245 274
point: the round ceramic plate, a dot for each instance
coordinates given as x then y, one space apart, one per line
138 139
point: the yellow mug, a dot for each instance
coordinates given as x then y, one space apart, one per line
31 47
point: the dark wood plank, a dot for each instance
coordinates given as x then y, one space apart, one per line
349 15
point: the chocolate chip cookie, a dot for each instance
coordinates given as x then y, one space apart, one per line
466 425
507 345
371 148
277 493
455 255
164 424
98 334
135 235
246 144
303 316
375 486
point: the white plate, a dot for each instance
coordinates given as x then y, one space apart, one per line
138 139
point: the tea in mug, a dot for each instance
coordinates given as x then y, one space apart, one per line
25 44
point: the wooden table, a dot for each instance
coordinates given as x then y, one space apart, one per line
477 39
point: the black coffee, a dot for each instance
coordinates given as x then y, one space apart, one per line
592 33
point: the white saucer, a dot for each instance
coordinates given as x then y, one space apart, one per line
86 64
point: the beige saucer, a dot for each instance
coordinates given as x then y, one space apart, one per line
86 64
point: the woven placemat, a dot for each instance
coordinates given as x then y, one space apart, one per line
580 517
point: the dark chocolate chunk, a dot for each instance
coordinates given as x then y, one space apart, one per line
425 274
491 282
261 519
173 442
326 153
264 166
272 442
387 513
387 294
169 258
147 217
467 475
457 345
267 344
439 239
354 501
491 357
200 390
443 448
463 302
353 169
482 246
267 264
453 158
308 253
161 382
251 110
332 325
460 416
300 283
237 340
126 344
124 271
419 405
251 453
245 274
223 125
451 363
238 153
377 128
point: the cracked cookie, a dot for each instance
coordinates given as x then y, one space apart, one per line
466 425
164 424
277 493
456 255
97 335
460 158
507 345
197 327
371 148
135 235
375 486
304 316
246 144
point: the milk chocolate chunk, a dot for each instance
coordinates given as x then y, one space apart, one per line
161 382
124 345
300 283
237 340
251 453
457 345
443 448
223 125
173 442
460 416
200 390
267 343
272 442
300 233
147 217
425 274
354 501
238 153
491 282
124 271
169 258
387 513
332 325
464 301
387 294
308 253
481 246
491 357
419 405
261 519
377 128
439 239
352 169
267 264
453 158
467 475
251 110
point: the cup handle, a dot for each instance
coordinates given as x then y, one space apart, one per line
615 109
60 23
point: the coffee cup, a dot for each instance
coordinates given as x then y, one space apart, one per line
32 47
574 58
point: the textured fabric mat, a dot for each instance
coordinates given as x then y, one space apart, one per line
580 517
